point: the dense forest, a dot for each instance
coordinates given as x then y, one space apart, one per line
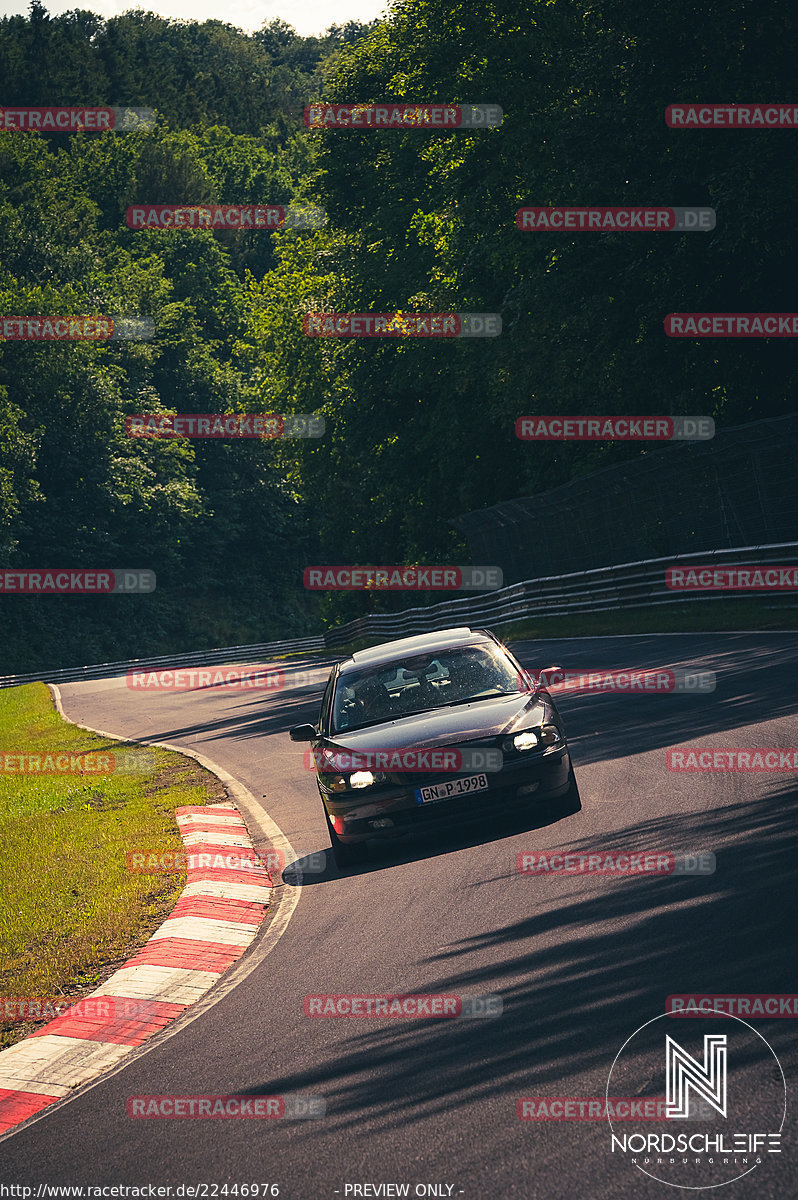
418 431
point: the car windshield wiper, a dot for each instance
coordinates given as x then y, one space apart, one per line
413 712
362 725
471 699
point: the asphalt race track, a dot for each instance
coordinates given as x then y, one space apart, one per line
580 961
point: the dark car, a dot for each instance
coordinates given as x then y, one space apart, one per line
429 730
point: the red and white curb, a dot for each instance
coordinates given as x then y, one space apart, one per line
215 919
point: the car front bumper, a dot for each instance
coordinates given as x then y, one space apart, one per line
389 811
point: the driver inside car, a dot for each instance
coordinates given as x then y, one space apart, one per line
372 701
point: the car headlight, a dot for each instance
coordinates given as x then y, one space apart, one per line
361 779
533 739
346 783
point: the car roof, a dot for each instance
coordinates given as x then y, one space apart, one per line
440 639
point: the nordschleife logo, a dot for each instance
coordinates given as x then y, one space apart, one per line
707 1079
726 1102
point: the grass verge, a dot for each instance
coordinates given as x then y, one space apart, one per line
70 910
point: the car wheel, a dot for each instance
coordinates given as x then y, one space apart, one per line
571 801
346 854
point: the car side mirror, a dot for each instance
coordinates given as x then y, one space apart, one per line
303 733
548 676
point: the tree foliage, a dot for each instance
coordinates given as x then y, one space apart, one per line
425 220
419 431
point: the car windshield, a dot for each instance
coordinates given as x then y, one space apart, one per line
421 683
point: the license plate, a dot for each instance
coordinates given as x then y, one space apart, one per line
452 787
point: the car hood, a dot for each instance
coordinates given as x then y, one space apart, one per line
482 719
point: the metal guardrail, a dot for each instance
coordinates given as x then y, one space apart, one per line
199 658
628 585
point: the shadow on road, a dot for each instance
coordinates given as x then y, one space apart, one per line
432 843
646 938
